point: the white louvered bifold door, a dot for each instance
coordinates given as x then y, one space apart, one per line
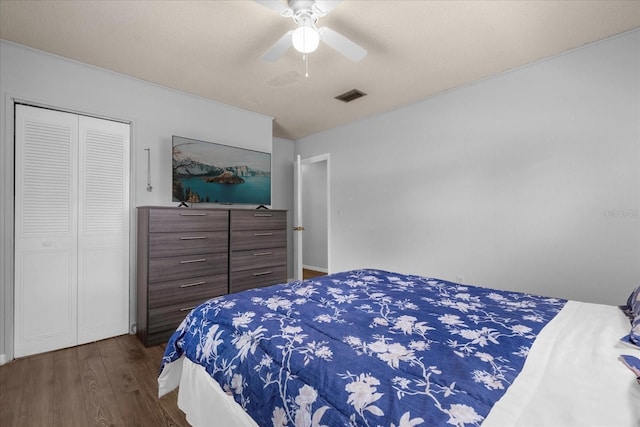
103 229
45 230
71 230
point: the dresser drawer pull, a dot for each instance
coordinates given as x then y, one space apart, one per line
262 253
189 261
193 214
262 234
188 308
264 273
188 285
193 237
262 215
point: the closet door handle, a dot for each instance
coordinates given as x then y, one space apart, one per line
193 214
188 285
262 215
188 308
193 237
189 261
262 234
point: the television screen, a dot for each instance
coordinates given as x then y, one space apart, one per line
205 172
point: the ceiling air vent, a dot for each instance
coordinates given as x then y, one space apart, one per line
350 95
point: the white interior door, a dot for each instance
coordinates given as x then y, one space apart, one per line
103 229
45 230
71 229
297 226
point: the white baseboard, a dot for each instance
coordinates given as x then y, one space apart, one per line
311 267
3 359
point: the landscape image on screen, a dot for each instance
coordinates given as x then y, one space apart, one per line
206 172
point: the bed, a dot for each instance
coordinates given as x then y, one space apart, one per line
377 348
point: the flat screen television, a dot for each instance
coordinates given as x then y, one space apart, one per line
206 172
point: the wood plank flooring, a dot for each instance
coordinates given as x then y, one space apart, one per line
106 383
309 274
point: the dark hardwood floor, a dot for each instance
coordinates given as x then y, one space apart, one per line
308 274
106 383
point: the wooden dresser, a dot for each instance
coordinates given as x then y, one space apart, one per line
188 255
257 249
182 261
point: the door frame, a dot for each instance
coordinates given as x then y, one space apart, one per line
299 185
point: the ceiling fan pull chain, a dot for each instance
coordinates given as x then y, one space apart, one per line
306 64
305 56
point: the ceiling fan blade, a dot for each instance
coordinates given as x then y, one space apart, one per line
342 44
277 6
322 7
279 48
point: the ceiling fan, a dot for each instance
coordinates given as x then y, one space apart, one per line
307 36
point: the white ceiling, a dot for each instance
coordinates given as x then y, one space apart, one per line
213 48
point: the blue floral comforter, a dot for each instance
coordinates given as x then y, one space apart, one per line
364 348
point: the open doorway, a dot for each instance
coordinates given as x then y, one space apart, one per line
313 213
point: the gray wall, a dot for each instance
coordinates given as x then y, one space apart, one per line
156 113
529 180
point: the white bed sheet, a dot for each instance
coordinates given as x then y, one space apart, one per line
572 377
200 397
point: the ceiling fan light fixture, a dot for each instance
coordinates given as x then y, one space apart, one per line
305 39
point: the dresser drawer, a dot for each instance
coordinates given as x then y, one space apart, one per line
258 220
180 291
256 278
256 239
258 258
163 321
187 219
187 243
172 268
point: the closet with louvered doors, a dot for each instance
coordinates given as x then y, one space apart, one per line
71 229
